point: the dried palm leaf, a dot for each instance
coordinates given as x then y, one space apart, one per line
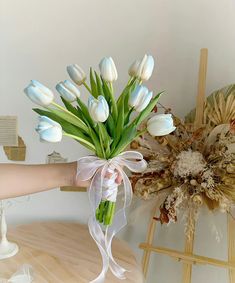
219 107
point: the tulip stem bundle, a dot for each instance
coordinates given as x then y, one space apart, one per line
105 212
104 125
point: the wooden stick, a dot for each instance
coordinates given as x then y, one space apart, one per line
187 267
189 258
189 243
150 238
73 189
201 88
231 247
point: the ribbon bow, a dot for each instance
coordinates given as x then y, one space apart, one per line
23 275
95 169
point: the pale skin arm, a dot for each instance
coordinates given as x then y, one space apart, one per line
17 180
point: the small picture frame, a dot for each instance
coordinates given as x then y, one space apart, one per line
8 131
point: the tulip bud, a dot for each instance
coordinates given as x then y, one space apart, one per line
108 69
68 90
160 125
133 70
140 98
76 74
38 93
143 69
98 108
49 130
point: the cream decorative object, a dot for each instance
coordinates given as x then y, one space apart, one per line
23 275
55 157
7 249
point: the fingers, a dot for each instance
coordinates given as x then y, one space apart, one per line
109 175
119 179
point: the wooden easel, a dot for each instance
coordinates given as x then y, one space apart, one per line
188 257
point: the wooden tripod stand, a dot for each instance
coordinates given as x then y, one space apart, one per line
188 257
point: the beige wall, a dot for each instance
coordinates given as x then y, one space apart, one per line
40 38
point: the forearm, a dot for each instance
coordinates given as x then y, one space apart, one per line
16 180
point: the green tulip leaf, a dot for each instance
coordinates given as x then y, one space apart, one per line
127 136
120 124
105 138
110 125
93 84
70 118
99 85
84 112
71 108
96 140
106 91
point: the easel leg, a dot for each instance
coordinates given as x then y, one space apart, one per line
231 247
187 267
149 241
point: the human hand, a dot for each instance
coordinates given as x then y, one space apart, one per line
109 174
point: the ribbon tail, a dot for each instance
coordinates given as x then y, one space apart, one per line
98 236
95 194
119 222
116 268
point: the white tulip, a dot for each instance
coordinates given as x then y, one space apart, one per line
160 125
68 90
145 69
49 130
76 74
140 98
133 70
142 69
98 108
39 93
108 69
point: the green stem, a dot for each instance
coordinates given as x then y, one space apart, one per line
141 133
112 212
87 87
101 211
62 108
114 104
81 140
107 215
127 117
101 138
131 79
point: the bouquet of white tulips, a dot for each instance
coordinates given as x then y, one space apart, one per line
105 126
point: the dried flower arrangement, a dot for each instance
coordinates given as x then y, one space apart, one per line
192 167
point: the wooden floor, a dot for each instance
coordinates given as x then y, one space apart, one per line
64 253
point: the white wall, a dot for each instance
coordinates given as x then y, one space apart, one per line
40 38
